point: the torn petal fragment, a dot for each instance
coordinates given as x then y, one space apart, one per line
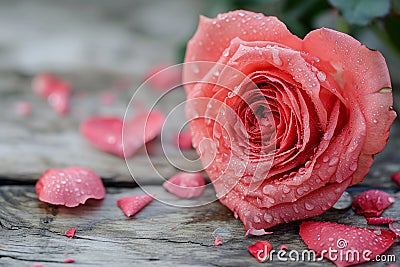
260 250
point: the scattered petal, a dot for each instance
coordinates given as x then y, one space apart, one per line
141 129
105 133
59 98
185 185
172 227
56 90
184 140
70 233
395 228
380 220
372 203
257 232
396 178
260 250
133 204
23 108
217 241
284 247
69 260
324 236
70 186
164 77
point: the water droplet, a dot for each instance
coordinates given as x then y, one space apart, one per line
296 210
325 159
309 206
321 76
216 73
256 219
275 57
226 53
63 182
214 22
195 69
333 161
241 14
374 121
353 166
268 218
78 180
268 189
285 189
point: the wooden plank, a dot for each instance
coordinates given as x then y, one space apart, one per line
31 145
32 232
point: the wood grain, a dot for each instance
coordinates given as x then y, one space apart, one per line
32 232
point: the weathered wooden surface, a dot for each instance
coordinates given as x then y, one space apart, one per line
33 232
102 45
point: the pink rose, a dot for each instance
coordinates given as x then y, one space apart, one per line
283 125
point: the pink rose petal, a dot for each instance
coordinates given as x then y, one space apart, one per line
325 236
284 247
372 203
184 140
105 133
70 233
217 241
260 250
70 186
396 178
69 260
185 185
380 220
133 204
56 90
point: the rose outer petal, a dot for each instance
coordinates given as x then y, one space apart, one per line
356 64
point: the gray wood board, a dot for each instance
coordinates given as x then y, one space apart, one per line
32 232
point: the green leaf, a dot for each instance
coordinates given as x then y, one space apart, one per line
361 12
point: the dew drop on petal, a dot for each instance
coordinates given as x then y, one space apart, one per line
321 76
308 206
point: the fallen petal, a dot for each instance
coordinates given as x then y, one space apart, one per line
260 250
133 204
185 185
372 203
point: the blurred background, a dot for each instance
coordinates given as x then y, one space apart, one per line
130 36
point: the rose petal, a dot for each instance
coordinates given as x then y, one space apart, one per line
284 247
260 250
69 260
184 140
372 203
257 232
380 220
141 129
59 98
70 233
347 59
70 186
43 84
217 241
56 90
396 178
133 204
105 133
326 236
185 185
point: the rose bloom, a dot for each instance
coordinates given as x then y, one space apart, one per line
283 125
